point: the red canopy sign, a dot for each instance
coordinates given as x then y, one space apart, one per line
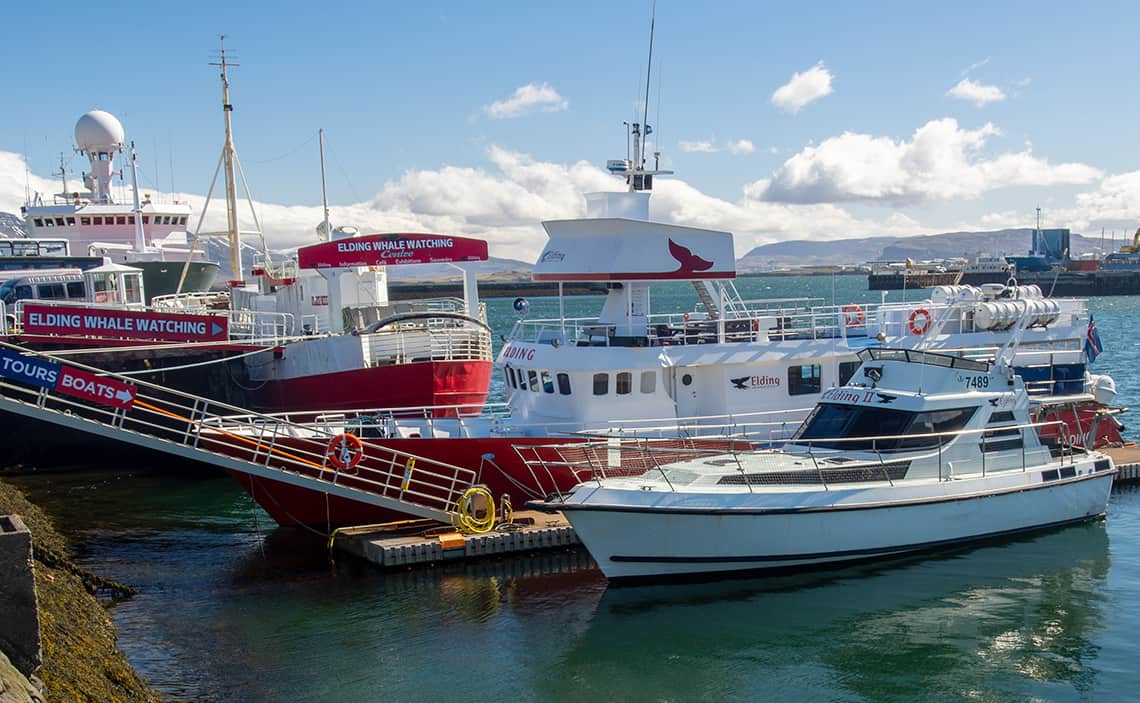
124 324
388 249
88 386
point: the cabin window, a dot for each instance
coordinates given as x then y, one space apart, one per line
648 381
624 383
71 222
831 421
85 221
1002 440
564 383
39 222
130 219
601 383
59 222
23 292
121 220
547 382
847 369
98 220
49 291
182 220
687 380
146 219
48 222
804 380
532 377
514 382
508 378
75 289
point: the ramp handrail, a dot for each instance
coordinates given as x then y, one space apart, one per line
273 445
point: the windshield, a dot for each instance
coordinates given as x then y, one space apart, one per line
830 422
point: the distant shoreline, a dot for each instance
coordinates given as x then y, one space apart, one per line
524 288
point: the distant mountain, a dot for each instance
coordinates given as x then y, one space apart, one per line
931 246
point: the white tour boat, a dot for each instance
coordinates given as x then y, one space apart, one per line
102 220
919 450
729 369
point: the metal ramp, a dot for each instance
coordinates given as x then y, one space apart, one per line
87 399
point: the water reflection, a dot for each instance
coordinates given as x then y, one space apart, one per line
1005 622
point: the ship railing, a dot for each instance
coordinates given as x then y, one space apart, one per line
191 302
427 339
261 327
160 416
456 420
828 462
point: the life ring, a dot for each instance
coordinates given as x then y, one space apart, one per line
345 451
916 327
852 315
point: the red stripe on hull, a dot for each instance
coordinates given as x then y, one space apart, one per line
423 384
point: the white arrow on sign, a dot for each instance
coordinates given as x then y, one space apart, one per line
124 396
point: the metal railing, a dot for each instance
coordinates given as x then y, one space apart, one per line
167 418
750 321
430 339
597 460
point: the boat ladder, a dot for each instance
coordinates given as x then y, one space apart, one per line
87 399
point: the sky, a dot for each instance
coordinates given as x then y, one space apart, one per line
785 121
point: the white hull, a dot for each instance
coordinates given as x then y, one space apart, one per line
669 534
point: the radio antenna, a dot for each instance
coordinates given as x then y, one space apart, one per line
648 74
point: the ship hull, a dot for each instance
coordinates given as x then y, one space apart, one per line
162 277
415 385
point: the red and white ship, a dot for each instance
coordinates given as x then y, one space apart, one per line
729 372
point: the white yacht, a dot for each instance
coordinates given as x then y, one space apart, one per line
919 450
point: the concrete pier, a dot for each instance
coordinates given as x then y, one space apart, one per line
20 633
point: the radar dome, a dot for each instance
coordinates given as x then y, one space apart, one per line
98 131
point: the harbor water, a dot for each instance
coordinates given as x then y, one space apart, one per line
232 608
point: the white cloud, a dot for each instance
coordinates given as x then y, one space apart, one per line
803 88
742 146
527 99
975 66
978 93
699 146
710 146
940 162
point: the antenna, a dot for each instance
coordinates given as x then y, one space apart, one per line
648 74
228 163
325 231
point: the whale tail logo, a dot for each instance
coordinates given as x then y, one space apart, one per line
690 262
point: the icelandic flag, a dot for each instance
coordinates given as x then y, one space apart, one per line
1093 347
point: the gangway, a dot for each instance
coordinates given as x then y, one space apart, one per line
67 394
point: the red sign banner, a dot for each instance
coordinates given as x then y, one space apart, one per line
88 386
391 249
124 324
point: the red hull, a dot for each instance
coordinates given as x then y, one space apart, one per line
417 385
504 474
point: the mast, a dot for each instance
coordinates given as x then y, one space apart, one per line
140 236
228 167
326 225
63 174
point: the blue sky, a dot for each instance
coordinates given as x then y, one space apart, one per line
405 89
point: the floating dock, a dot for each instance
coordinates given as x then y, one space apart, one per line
414 542
1127 460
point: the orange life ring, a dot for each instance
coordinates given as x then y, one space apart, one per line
920 329
852 315
345 451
